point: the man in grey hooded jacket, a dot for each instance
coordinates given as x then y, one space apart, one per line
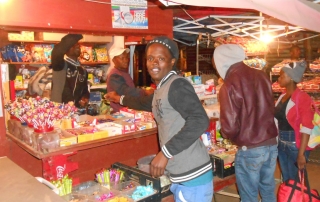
247 119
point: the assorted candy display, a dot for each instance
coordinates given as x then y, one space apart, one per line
104 197
141 192
39 112
107 176
64 185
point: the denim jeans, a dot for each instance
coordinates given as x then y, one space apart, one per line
202 193
288 153
255 173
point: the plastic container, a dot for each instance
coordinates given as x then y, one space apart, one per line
45 141
125 186
83 186
75 197
144 163
129 193
93 191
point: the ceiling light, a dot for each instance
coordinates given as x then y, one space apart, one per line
266 38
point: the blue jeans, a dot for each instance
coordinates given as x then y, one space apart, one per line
202 193
288 153
255 173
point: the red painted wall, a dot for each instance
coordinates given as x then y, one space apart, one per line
77 16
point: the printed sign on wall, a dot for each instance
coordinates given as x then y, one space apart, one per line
132 14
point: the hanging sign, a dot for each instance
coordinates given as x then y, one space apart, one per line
132 14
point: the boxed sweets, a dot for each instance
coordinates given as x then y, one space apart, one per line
86 134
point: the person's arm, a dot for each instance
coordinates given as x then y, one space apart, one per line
119 84
84 100
184 100
138 103
229 113
306 114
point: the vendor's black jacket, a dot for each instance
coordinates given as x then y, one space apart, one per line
76 85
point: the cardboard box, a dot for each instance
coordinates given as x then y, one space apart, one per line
127 127
22 36
67 139
112 128
131 113
86 134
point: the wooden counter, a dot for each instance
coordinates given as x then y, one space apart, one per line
18 185
90 156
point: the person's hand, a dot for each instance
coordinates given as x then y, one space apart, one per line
158 165
301 162
149 91
112 97
84 102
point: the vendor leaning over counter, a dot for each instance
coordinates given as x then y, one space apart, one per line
69 79
181 121
118 78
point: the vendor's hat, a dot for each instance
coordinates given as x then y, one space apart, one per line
295 70
117 51
62 48
168 43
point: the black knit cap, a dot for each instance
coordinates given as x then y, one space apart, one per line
62 48
168 43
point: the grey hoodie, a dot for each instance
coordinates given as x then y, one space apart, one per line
227 55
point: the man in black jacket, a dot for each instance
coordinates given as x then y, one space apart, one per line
70 79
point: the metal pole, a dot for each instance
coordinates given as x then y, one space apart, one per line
260 26
197 57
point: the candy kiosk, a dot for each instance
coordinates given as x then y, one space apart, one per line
46 139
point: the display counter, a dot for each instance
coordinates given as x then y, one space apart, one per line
18 185
82 160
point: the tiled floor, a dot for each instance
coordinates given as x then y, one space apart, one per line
313 175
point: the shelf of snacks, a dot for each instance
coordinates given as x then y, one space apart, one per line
40 53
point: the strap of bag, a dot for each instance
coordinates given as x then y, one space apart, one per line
301 177
307 184
295 187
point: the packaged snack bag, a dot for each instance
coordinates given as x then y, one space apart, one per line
47 49
86 54
101 54
4 54
11 53
37 53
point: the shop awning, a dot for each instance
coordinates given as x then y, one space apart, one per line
302 13
299 14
